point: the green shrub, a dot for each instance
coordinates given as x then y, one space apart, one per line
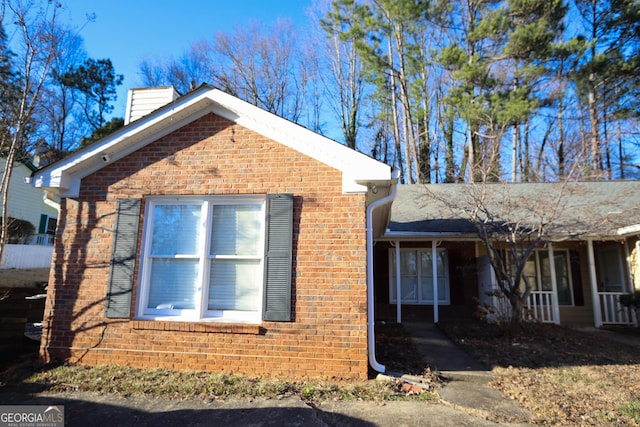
18 230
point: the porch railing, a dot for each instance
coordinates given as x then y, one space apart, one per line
540 307
613 313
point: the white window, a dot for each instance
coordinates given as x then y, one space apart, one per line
203 259
416 277
538 271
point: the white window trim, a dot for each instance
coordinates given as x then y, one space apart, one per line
421 301
201 312
46 228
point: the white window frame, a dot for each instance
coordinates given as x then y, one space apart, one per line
200 313
48 229
420 299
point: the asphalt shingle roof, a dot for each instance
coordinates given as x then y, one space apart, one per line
577 208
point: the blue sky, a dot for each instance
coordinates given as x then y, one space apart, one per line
129 31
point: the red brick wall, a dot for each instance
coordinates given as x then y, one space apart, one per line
328 335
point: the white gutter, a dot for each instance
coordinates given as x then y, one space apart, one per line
370 291
46 198
632 229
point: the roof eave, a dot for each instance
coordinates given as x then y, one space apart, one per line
64 177
629 230
441 235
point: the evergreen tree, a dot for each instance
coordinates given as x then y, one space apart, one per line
97 82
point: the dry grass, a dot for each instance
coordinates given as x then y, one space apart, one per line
562 376
127 381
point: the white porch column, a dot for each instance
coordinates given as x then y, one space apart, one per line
630 286
434 271
398 284
555 306
597 313
627 259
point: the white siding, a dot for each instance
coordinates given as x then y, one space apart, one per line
141 102
25 201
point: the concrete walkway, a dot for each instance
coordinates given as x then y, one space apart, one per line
465 379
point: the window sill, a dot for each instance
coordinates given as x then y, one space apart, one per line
202 327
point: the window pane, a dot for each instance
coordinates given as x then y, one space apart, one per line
562 278
176 229
408 289
418 288
427 289
51 226
441 263
236 230
408 263
426 263
173 284
234 285
530 271
545 271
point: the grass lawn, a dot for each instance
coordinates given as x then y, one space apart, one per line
563 376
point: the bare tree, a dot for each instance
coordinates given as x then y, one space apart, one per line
513 220
511 225
263 66
60 121
344 81
36 47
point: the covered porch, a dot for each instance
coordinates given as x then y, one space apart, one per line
443 270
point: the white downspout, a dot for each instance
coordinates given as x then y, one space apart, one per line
46 198
398 285
555 303
371 338
434 272
597 313
630 286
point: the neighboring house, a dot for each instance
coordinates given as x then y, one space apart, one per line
29 204
212 235
594 233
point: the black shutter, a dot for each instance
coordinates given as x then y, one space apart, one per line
123 259
43 224
277 293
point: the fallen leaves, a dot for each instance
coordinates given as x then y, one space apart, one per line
563 376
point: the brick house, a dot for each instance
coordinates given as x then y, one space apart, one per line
210 235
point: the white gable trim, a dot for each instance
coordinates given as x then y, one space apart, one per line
64 177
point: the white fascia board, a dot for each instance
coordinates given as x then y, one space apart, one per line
354 166
399 235
631 229
64 177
